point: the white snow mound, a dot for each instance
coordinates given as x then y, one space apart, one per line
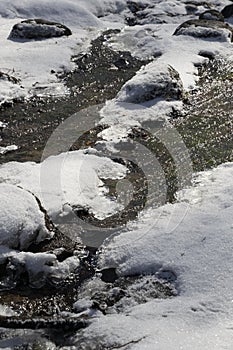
22 221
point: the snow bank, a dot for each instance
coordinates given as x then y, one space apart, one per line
60 182
32 62
195 245
153 40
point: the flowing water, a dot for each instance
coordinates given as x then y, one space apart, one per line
205 126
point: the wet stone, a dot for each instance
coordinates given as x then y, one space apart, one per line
227 11
38 29
202 28
212 15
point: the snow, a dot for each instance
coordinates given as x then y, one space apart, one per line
151 81
6 311
22 222
191 239
210 33
198 251
79 183
86 19
6 149
2 125
69 12
33 61
152 40
37 263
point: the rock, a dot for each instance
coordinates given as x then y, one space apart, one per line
202 28
152 81
191 9
29 270
109 275
38 29
212 15
227 11
135 7
8 77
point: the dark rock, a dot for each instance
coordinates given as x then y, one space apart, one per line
121 63
212 15
109 275
38 29
191 9
207 54
135 7
10 78
202 28
227 11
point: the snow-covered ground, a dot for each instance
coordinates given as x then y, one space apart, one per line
192 239
198 252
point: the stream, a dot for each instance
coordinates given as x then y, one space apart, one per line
205 126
